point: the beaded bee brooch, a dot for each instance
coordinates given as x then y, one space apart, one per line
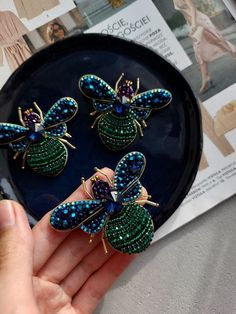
114 208
40 137
122 111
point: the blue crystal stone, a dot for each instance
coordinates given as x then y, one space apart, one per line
112 207
119 108
35 136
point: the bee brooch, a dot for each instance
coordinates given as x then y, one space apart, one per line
114 208
122 111
40 137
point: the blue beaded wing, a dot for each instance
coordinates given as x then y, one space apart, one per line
141 114
153 99
72 215
57 131
62 111
102 106
97 89
20 146
11 132
96 224
127 174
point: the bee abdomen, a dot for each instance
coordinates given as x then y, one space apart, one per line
131 231
117 132
47 157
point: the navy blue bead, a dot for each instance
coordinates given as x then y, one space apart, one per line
35 136
112 207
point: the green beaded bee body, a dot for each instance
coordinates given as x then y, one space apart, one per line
40 138
114 208
47 157
117 132
131 231
122 111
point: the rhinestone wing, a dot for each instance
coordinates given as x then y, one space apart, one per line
142 104
72 215
56 117
95 88
11 132
127 174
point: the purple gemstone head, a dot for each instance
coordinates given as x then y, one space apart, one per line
101 189
31 118
126 90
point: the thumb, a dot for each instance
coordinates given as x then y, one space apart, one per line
16 254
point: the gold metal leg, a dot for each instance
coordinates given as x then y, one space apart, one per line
96 120
143 202
104 241
137 87
139 127
144 124
68 135
118 81
16 155
91 238
39 110
20 116
93 113
85 187
104 246
23 160
24 156
67 143
103 236
103 173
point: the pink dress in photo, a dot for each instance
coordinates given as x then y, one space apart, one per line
11 41
212 44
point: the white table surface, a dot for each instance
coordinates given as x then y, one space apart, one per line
191 271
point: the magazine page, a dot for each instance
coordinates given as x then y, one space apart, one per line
18 18
216 181
199 40
210 43
34 13
231 5
142 22
37 26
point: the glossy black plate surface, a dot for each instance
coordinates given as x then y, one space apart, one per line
172 142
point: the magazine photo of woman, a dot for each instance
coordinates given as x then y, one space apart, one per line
208 43
55 32
97 11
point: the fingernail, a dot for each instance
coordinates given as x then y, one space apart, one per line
7 215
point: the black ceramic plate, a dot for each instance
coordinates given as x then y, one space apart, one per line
171 143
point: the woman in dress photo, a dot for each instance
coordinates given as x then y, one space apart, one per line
55 32
12 43
208 43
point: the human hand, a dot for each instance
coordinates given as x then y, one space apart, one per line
45 271
193 29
